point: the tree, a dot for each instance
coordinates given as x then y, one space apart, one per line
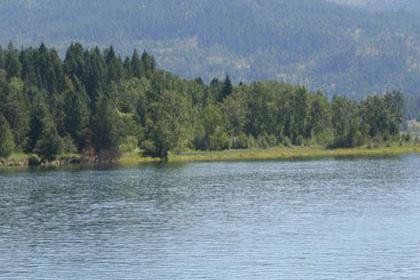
13 65
394 105
235 110
346 121
319 118
16 111
107 133
148 63
39 114
227 88
168 124
300 110
137 66
211 133
114 65
76 114
49 143
7 144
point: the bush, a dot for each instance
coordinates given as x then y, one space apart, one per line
149 149
129 144
240 142
68 146
285 141
405 138
267 141
34 160
299 140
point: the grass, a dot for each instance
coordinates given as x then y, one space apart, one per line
128 158
279 154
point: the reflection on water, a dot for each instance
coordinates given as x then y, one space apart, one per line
327 219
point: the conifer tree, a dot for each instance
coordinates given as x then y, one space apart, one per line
137 66
107 125
13 65
227 88
7 144
17 112
148 64
76 114
49 143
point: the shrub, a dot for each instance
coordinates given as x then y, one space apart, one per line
34 160
129 144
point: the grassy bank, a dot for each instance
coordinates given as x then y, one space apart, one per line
279 154
22 160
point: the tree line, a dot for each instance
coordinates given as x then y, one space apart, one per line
94 101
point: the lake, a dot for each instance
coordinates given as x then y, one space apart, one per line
320 219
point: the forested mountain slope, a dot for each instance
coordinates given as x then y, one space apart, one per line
402 5
323 45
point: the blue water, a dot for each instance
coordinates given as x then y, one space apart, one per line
326 219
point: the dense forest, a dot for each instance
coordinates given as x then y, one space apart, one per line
93 101
346 50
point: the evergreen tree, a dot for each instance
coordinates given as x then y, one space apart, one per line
48 145
94 100
114 65
13 65
137 66
227 88
7 144
107 126
76 114
148 64
394 104
17 112
39 115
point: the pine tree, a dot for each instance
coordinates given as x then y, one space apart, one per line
148 63
7 144
107 126
39 114
137 66
13 65
76 114
48 145
114 65
16 111
227 88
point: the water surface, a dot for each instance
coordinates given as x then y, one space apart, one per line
323 219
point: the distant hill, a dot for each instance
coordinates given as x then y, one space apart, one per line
404 5
339 49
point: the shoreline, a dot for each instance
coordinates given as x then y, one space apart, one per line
276 153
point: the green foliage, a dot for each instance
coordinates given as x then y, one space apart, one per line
316 43
34 160
48 146
128 145
93 101
346 121
76 114
107 133
168 123
15 109
211 133
7 144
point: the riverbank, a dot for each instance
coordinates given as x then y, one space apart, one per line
278 153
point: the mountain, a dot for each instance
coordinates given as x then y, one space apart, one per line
341 49
378 5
